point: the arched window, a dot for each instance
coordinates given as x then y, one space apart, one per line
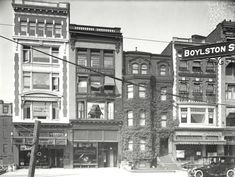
135 68
144 69
163 70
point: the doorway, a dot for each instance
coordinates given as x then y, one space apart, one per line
56 158
107 154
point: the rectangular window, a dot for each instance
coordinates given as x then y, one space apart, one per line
130 145
110 110
108 59
49 29
163 94
5 109
142 118
23 28
163 120
142 91
32 28
41 29
130 118
95 85
26 110
95 58
142 145
230 93
26 80
41 110
130 91
184 112
211 115
82 57
58 30
183 66
196 66
41 81
81 110
82 85
197 115
55 52
55 110
55 82
26 54
4 148
41 57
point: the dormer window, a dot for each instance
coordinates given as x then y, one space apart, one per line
135 68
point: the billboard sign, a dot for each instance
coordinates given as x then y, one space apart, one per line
210 50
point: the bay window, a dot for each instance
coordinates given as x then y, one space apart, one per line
198 115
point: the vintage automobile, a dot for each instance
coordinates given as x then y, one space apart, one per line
216 166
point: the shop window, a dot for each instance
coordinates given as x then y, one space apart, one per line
163 70
41 110
130 118
197 115
26 80
196 67
32 28
41 29
135 68
23 27
40 57
144 69
184 113
142 145
55 52
130 145
49 29
55 110
230 69
163 120
163 94
142 91
82 57
108 59
142 118
41 81
211 115
26 54
130 91
58 30
55 82
85 154
230 92
110 110
4 148
5 109
26 110
81 110
95 58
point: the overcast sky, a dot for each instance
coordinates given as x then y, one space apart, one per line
154 20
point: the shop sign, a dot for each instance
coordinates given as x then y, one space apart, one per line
25 148
209 51
180 154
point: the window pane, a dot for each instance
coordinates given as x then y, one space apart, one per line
82 85
41 110
142 118
58 30
108 59
130 118
95 58
49 29
41 28
142 91
82 57
135 69
197 118
32 28
41 81
23 28
144 69
81 110
41 57
130 93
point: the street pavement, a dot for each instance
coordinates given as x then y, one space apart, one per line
91 172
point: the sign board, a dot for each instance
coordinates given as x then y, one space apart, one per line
180 154
210 50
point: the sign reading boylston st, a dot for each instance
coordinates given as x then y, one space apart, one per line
210 50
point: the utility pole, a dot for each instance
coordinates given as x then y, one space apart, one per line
34 149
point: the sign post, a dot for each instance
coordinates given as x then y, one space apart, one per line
32 162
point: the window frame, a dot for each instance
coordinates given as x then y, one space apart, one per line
130 91
130 118
134 68
163 93
142 90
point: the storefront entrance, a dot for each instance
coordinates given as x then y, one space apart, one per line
107 154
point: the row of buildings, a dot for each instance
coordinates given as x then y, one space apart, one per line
160 105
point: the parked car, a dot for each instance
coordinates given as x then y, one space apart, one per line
216 166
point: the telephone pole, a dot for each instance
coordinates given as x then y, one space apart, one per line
32 162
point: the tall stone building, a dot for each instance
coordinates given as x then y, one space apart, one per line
95 96
147 107
41 81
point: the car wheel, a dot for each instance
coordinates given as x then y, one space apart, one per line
230 173
198 173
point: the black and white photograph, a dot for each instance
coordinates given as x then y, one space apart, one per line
128 88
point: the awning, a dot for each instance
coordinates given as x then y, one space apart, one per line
202 142
42 141
108 81
96 84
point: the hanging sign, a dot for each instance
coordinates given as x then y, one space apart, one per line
210 50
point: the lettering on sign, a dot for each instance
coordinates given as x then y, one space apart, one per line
210 50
